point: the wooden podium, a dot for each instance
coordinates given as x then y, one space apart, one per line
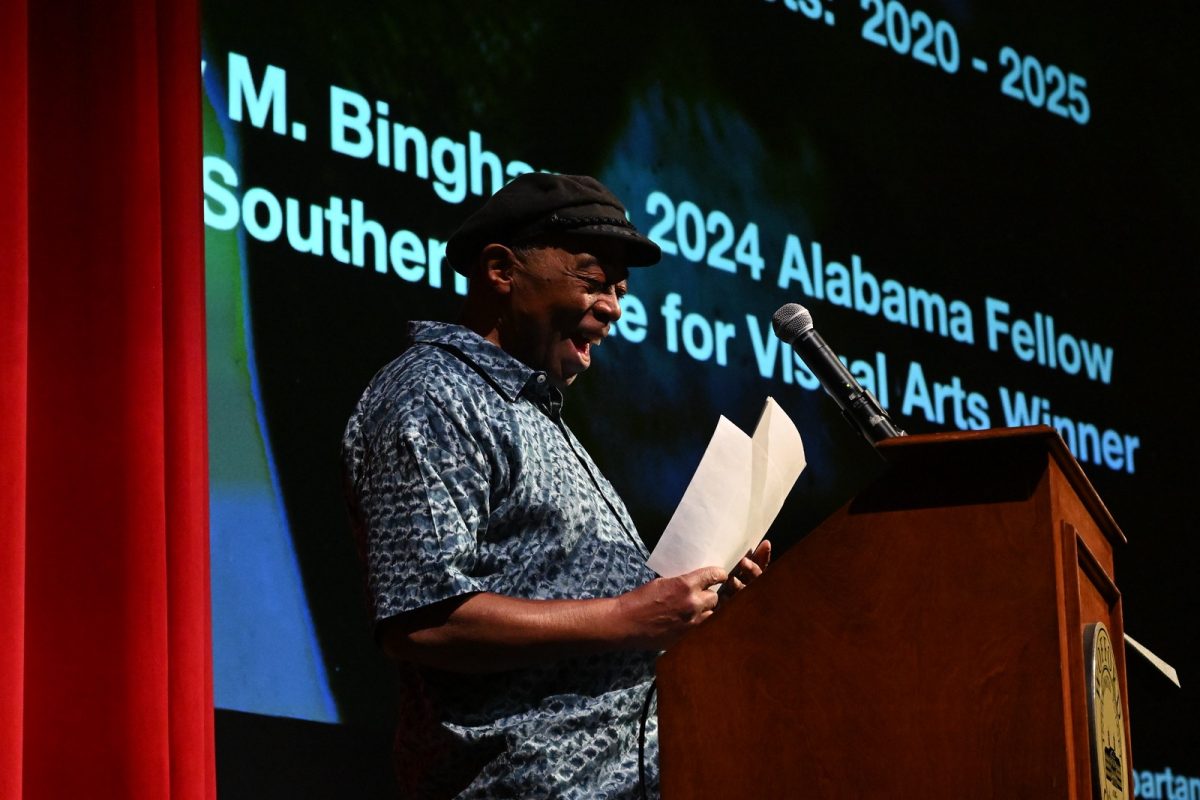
927 640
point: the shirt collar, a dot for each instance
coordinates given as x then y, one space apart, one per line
509 375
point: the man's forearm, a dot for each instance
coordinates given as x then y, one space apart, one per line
490 632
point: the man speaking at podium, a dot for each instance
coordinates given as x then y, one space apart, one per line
505 574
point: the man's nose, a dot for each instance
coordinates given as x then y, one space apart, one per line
608 306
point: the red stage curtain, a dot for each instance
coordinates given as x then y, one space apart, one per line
105 672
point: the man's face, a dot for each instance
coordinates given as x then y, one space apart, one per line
565 295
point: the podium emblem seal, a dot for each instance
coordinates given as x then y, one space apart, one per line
1105 715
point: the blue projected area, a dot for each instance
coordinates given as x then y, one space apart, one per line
265 654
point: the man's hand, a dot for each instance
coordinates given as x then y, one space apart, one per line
657 614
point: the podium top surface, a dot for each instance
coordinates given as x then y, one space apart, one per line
911 450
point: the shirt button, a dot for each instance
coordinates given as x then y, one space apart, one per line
541 378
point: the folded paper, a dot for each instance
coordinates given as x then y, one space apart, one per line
735 495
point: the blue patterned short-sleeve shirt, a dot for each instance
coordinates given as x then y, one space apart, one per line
462 478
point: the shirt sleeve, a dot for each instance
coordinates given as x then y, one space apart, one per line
422 508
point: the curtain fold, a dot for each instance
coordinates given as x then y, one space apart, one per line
189 621
14 307
105 461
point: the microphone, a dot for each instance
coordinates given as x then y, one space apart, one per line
793 324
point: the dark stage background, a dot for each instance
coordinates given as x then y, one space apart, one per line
989 209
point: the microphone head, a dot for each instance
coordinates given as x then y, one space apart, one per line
790 321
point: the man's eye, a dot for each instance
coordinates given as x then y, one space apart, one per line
601 287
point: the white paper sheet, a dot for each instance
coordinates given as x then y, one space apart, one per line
1162 666
734 496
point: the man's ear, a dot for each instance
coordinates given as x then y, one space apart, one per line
497 263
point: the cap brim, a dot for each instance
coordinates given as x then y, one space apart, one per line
640 251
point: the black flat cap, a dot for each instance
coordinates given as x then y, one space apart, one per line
538 203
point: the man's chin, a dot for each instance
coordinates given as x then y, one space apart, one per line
571 368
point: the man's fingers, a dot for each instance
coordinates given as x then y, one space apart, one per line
706 576
762 553
747 568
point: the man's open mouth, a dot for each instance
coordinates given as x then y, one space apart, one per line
583 344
